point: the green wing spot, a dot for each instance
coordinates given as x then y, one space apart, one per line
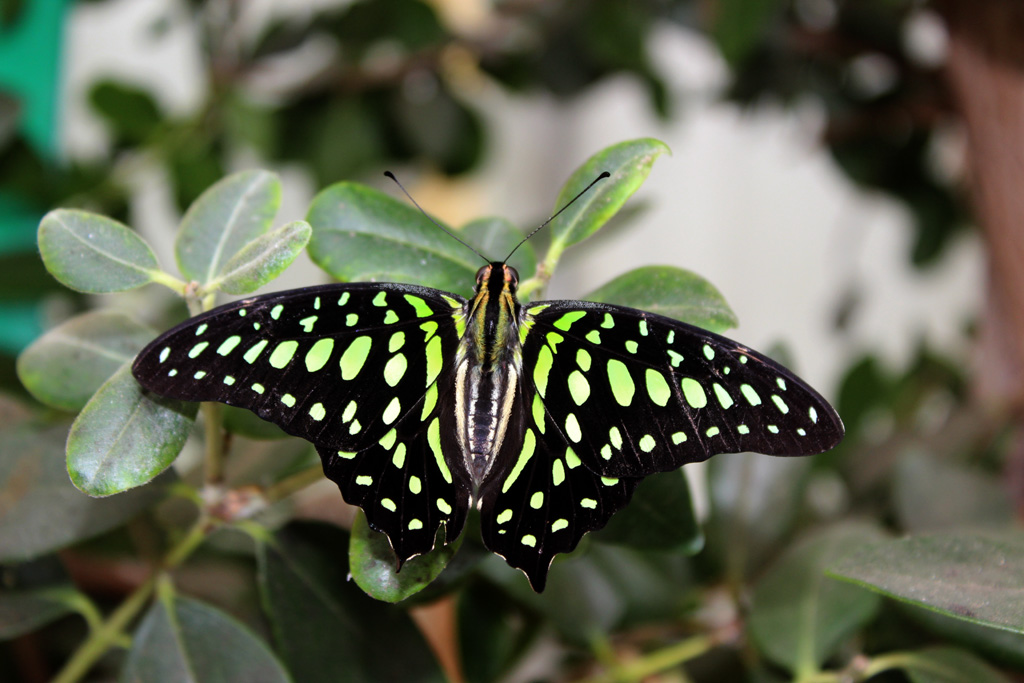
351 319
346 455
288 400
566 321
201 329
780 404
554 339
712 431
722 395
743 360
390 317
275 312
252 354
530 540
657 387
608 322
588 503
781 382
579 387
343 299
392 412
571 459
434 439
354 357
396 342
743 429
388 440
443 506
415 485
709 352
388 504
199 374
541 370
172 373
354 427
748 393
583 359
594 337
381 299
647 443
307 323
813 414
317 412
801 431
538 413
229 380
435 359
258 388
632 346
559 524
529 445
430 327
572 428
316 303
621 382
606 451
557 472
228 345
615 437
537 500
503 517
678 438
534 310
609 481
198 349
164 353
429 401
350 411
675 358
283 354
242 312
398 459
419 305
643 328
395 369
415 524
773 429
694 393
319 354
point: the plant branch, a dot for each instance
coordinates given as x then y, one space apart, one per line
657 661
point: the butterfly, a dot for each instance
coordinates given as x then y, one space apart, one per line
545 416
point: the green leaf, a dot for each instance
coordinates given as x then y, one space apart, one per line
629 163
373 564
977 576
672 292
66 366
124 437
41 510
739 25
92 253
224 219
181 639
326 628
941 665
360 234
658 517
132 113
800 616
931 494
34 594
492 632
249 424
1005 647
495 238
263 259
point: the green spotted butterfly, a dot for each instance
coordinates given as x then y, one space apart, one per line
545 416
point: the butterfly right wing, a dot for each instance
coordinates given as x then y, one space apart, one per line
357 369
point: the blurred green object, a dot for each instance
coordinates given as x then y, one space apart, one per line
30 42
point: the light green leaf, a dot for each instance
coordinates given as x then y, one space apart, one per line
66 366
41 510
92 253
800 616
325 628
977 575
263 259
940 665
124 436
181 639
495 238
373 567
360 234
672 292
629 163
932 494
225 218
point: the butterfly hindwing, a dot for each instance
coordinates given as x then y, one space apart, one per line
360 370
636 393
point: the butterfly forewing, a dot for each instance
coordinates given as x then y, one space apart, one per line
360 370
636 393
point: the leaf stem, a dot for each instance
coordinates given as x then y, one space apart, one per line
293 483
658 661
214 437
111 632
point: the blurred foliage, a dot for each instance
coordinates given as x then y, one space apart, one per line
775 593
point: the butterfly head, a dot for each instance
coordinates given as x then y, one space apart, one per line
496 277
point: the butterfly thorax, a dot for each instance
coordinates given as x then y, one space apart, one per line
487 368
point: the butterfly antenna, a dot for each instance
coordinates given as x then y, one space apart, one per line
604 174
391 175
